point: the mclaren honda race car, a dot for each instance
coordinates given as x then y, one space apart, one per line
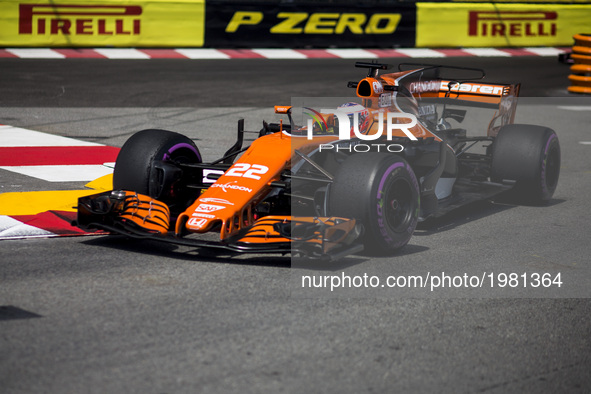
359 176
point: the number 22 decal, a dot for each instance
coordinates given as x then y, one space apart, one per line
246 170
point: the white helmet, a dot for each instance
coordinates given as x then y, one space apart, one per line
363 121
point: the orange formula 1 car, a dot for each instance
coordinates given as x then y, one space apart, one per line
359 175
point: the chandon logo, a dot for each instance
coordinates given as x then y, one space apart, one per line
231 186
424 86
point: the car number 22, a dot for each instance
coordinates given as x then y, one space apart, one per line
246 170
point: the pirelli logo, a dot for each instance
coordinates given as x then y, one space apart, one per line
512 23
81 20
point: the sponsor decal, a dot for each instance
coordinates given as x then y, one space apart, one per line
206 173
319 22
512 23
79 19
203 215
463 24
216 200
377 87
207 208
102 23
465 87
231 186
315 24
385 100
428 112
424 86
194 222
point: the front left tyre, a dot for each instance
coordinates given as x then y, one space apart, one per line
147 162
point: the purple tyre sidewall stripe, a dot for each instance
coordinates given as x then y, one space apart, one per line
544 164
181 146
387 173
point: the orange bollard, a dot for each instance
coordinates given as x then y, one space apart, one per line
581 69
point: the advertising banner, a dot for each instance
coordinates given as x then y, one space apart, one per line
500 25
83 23
289 25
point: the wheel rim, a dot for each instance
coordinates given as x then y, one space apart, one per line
176 196
398 205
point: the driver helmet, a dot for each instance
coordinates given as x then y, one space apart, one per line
353 108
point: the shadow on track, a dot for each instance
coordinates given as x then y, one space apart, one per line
185 253
461 216
469 213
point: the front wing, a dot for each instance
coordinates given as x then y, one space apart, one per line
312 237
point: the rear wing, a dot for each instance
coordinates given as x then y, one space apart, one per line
461 83
430 81
501 97
452 85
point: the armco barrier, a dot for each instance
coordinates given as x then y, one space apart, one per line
581 70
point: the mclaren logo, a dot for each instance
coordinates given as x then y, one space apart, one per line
512 23
102 20
495 90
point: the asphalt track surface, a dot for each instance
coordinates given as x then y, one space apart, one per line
110 314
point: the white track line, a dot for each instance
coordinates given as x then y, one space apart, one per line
420 52
352 53
62 173
122 53
11 229
35 53
545 51
202 53
487 52
18 137
575 107
279 53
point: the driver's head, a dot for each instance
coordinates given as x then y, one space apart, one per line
356 112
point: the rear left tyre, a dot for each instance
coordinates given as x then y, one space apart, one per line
530 156
381 192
